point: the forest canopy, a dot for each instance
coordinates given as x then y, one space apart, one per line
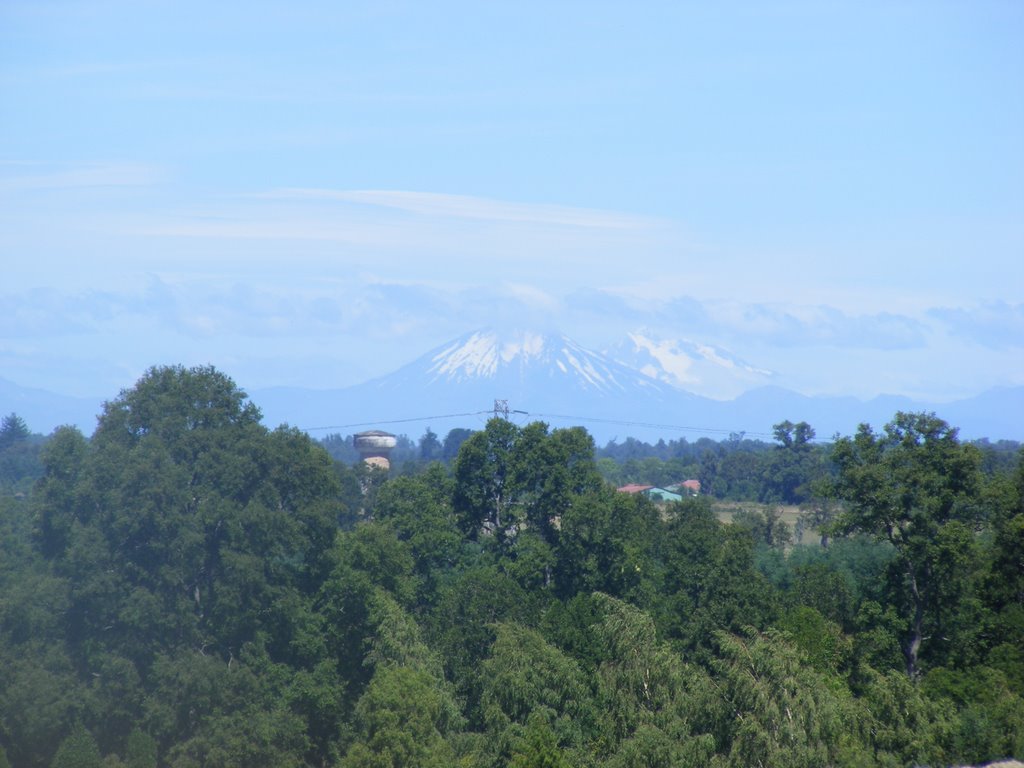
187 587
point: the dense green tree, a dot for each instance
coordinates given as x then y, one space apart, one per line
396 639
737 475
20 456
821 641
1004 589
905 726
990 708
430 447
453 443
607 543
461 626
817 585
524 676
648 695
653 747
1002 584
538 748
41 698
400 723
140 750
791 466
768 709
765 525
710 579
913 486
552 469
237 713
507 477
235 594
207 521
186 530
419 511
485 470
369 559
373 552
78 750
12 430
58 496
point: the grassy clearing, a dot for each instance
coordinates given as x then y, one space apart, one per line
790 513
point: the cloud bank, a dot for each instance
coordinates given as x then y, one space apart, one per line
355 329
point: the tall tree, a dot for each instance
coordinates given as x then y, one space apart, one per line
525 676
430 446
790 466
507 477
768 709
12 429
401 721
913 486
185 522
485 480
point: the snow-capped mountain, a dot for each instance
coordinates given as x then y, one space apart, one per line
539 373
702 369
546 376
520 360
550 377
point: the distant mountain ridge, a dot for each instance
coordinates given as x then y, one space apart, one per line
43 411
549 376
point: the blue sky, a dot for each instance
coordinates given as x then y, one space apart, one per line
314 193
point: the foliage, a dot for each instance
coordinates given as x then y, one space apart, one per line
784 713
710 580
913 487
524 678
399 723
13 429
78 750
189 588
20 455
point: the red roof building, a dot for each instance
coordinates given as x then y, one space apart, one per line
634 488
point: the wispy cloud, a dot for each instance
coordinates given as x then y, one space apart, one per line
92 175
438 204
781 325
407 237
995 325
798 326
365 326
379 307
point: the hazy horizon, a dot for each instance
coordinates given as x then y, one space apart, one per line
316 195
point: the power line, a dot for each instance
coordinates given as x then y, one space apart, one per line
396 421
650 425
501 407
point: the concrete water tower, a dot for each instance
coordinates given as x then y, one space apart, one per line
375 447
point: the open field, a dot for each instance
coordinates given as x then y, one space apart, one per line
790 513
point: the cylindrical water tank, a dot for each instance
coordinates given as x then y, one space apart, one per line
375 447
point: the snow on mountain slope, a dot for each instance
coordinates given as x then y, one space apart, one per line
554 379
539 374
520 358
699 368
